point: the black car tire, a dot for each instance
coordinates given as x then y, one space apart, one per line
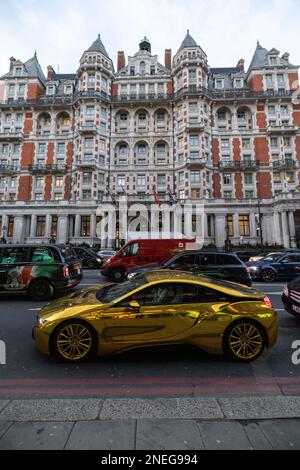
91 264
41 289
91 336
231 330
118 275
268 275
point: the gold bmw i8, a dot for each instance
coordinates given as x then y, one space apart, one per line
158 308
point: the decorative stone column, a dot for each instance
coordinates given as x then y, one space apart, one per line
292 229
77 226
220 231
276 228
19 226
285 230
33 226
62 229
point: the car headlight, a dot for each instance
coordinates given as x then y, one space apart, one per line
131 275
99 260
253 268
285 291
42 321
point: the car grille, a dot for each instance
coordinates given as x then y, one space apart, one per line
295 296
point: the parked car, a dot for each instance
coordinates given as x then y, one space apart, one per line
140 253
225 266
280 266
157 308
257 258
291 297
38 270
105 254
88 257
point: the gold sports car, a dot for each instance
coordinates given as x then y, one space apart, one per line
158 308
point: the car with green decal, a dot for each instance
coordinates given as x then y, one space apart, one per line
38 270
216 265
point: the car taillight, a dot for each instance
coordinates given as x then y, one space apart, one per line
66 271
248 270
267 302
286 291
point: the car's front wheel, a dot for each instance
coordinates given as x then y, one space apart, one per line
268 275
118 275
74 341
41 289
244 341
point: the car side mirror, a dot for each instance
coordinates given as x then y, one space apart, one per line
134 306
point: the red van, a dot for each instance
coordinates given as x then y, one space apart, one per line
143 252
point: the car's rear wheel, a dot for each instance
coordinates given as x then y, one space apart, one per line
244 341
74 341
268 275
118 275
41 289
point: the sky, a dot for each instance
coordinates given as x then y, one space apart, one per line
227 30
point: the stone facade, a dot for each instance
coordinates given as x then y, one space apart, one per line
183 132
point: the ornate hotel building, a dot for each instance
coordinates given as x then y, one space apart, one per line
184 132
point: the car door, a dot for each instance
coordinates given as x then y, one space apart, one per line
13 268
208 266
167 310
289 266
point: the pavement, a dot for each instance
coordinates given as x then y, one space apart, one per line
241 423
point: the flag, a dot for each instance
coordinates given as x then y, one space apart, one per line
156 198
173 198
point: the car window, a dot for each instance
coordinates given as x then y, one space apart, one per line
111 293
184 260
167 293
227 259
206 259
131 250
68 253
14 255
291 259
210 295
272 257
42 255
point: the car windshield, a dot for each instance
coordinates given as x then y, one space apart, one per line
68 253
272 257
108 294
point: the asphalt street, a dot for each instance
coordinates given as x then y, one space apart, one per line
160 372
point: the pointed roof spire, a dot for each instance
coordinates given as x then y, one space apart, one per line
259 57
34 69
187 42
98 46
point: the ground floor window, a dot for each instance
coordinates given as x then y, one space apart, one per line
229 225
40 226
10 226
244 225
85 228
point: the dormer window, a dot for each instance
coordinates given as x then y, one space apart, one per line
152 70
219 83
18 71
68 89
273 60
238 83
50 90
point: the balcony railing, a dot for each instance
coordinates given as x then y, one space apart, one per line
87 163
8 169
284 163
87 129
283 129
197 162
142 97
11 136
239 165
48 168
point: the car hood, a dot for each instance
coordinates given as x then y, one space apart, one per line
145 268
74 304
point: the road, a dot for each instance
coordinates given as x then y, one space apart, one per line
176 371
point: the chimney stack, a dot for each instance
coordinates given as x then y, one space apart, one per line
12 60
241 65
50 73
121 60
168 59
286 56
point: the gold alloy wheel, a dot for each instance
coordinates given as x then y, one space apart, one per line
245 341
74 341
